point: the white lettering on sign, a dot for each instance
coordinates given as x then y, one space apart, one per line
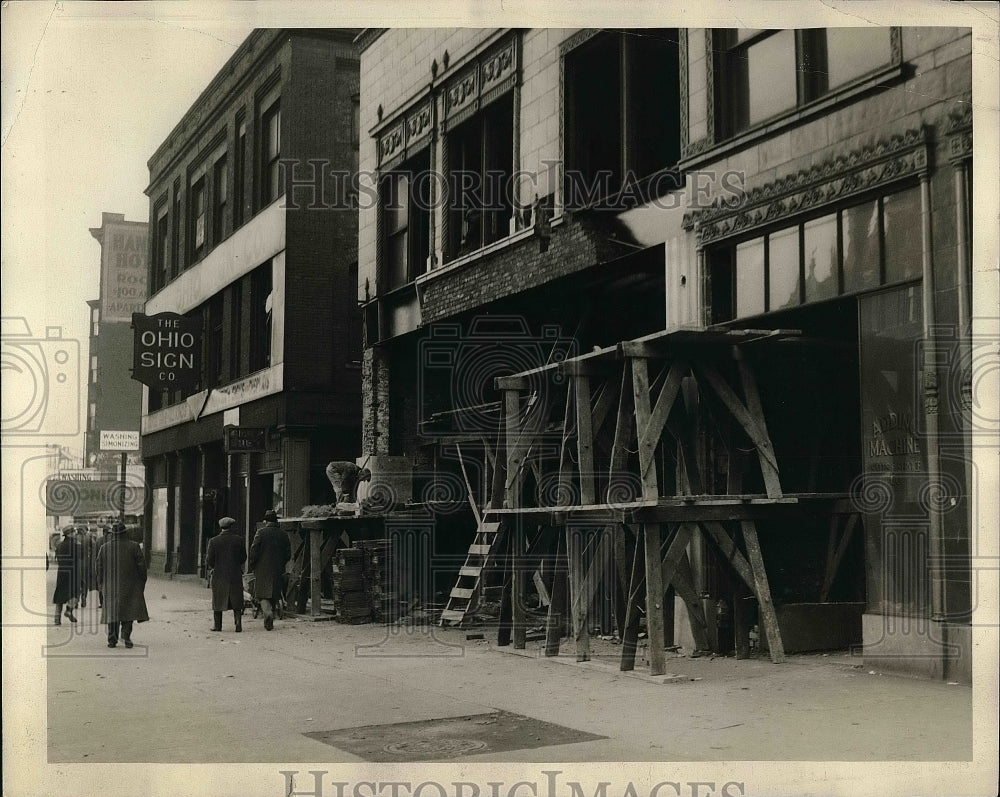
119 441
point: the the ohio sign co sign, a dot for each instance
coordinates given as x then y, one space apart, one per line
167 351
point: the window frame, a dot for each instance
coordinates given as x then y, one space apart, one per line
729 53
721 256
417 247
269 163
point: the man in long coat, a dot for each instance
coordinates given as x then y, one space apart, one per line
269 553
121 572
67 575
227 551
88 558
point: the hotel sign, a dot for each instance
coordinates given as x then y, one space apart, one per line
167 351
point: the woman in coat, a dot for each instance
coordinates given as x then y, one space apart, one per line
269 553
67 579
121 572
227 551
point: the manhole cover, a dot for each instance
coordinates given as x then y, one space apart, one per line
450 737
432 748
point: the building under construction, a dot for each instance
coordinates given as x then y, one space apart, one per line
685 315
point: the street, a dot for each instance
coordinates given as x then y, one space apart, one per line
185 694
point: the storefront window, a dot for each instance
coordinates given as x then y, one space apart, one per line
901 220
820 257
861 247
783 269
750 277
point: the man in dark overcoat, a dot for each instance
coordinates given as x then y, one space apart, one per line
121 572
227 551
67 577
269 553
88 574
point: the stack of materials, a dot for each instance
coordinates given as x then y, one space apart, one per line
381 578
350 596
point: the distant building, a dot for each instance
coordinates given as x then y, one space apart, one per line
271 277
114 399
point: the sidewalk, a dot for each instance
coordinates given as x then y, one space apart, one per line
185 694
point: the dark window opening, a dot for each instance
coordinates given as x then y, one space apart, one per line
270 154
261 293
214 362
406 222
622 112
480 162
236 330
220 190
198 208
161 268
239 168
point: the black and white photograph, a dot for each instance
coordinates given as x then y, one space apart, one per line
500 399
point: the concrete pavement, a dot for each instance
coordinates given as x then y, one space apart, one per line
185 694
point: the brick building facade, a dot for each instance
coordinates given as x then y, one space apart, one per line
817 179
247 234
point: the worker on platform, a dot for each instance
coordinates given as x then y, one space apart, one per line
345 478
227 551
269 553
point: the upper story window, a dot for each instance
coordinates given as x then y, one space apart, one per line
621 112
270 153
240 171
761 74
95 319
161 248
93 369
198 206
481 162
220 198
856 248
175 229
406 221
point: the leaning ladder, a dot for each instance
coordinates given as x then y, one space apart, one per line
470 574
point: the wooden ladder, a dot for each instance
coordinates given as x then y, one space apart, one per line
470 573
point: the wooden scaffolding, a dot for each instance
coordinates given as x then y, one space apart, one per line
604 459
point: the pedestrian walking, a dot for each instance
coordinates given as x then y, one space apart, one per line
88 562
121 572
67 581
269 553
227 551
98 544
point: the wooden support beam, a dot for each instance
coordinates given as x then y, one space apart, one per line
515 383
512 499
585 440
636 581
647 445
763 592
683 581
554 619
731 552
654 598
650 437
768 462
677 549
834 563
578 605
748 420
315 570
604 401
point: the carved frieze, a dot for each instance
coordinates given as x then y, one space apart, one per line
398 140
876 165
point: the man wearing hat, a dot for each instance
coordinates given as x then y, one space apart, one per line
269 553
67 578
121 573
227 551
